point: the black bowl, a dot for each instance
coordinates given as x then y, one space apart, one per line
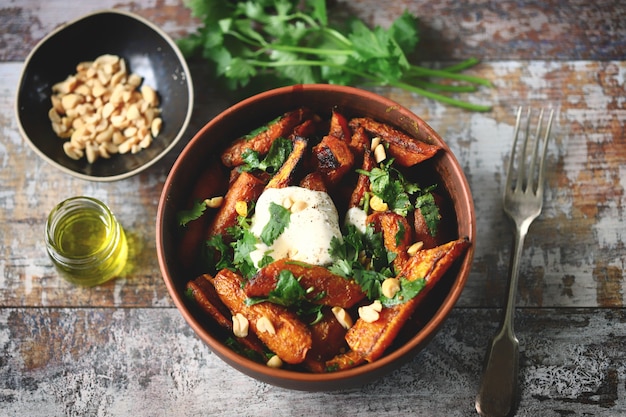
148 52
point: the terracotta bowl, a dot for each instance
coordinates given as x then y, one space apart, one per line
251 113
148 52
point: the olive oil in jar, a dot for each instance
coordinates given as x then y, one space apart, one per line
85 241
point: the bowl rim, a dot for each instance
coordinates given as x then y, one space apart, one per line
171 145
331 380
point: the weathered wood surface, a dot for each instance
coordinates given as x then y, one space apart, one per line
450 29
122 348
147 362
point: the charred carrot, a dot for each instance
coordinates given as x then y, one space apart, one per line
371 339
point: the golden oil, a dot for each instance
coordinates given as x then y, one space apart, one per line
85 241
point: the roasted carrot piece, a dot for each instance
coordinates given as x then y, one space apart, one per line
363 181
211 183
423 233
313 181
370 340
339 126
306 129
326 288
397 234
246 187
359 140
262 141
285 174
276 326
406 150
328 340
344 361
208 300
333 158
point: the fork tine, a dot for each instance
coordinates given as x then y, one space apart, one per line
522 180
533 160
543 152
509 174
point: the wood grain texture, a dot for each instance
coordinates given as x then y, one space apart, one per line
450 29
147 362
573 256
123 349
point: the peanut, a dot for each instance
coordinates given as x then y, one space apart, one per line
298 206
375 143
342 317
214 202
414 248
379 153
264 325
370 313
275 362
390 287
107 107
240 325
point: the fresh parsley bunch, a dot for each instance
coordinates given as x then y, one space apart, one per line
293 42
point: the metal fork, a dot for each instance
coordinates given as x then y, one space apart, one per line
523 201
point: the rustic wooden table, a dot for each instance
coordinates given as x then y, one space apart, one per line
123 349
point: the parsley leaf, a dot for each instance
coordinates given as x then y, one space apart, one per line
279 220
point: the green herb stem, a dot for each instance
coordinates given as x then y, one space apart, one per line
422 71
399 84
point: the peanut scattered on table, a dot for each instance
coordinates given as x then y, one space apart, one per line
103 109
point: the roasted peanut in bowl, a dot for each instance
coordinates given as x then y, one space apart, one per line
315 237
105 96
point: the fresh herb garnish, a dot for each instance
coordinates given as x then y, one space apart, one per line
289 293
185 216
429 209
408 290
225 257
278 222
241 253
401 195
275 158
362 257
294 42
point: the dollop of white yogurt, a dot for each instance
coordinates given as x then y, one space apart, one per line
309 233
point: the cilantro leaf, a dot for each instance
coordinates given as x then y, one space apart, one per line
288 292
408 291
363 257
426 203
185 216
241 255
279 220
277 155
401 195
225 258
295 42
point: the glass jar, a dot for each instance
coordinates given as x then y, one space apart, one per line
85 242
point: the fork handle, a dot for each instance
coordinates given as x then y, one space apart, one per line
497 394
